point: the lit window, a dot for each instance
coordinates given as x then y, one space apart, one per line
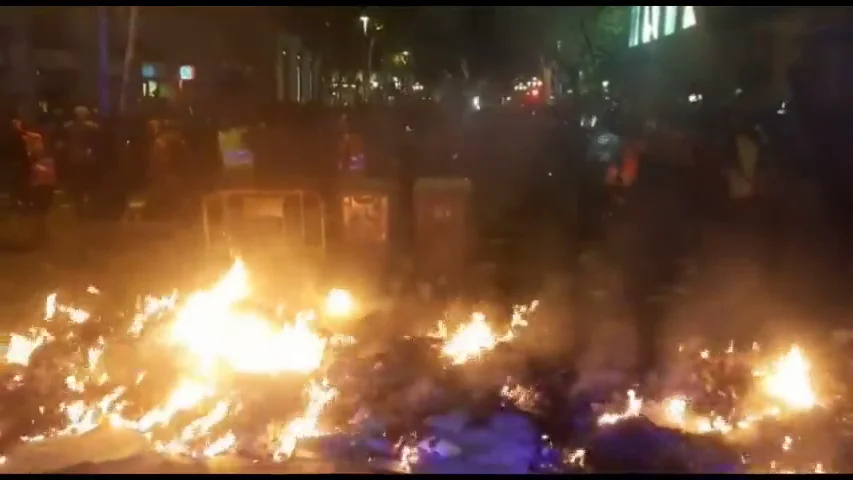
670 20
650 24
688 17
635 27
655 21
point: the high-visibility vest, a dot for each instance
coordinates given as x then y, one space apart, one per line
42 168
630 163
625 174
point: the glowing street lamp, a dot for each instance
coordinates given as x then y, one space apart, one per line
365 22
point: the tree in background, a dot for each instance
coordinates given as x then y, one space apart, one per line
439 39
333 33
581 42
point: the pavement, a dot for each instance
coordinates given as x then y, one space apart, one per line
224 465
118 257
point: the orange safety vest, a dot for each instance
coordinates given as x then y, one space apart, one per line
625 174
42 167
631 162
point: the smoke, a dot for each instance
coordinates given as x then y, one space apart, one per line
739 281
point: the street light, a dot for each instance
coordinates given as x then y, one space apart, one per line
365 21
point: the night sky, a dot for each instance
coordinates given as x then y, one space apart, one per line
490 39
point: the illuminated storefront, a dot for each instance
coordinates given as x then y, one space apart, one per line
653 22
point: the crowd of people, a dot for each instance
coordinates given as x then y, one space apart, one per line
727 203
97 164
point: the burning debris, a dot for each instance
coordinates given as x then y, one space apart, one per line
213 375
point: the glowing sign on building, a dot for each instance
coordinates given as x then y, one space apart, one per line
653 22
186 72
149 70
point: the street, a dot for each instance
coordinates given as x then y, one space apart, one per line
119 258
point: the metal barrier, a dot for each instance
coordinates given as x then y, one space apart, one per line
289 211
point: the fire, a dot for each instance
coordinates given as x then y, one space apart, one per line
212 336
213 329
217 338
476 337
472 339
785 386
789 381
632 409
339 303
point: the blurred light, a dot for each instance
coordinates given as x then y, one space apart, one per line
149 70
475 102
783 108
688 17
534 92
339 303
186 72
694 98
151 88
589 121
365 21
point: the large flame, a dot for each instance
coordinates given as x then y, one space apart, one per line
789 381
211 327
219 339
785 387
339 303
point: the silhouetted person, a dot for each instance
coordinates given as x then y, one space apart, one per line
16 162
39 180
82 137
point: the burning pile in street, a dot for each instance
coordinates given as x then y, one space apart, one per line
216 373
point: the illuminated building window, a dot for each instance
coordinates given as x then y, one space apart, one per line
655 21
650 24
151 89
688 17
670 20
635 27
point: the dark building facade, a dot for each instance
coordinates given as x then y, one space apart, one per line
677 55
209 58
